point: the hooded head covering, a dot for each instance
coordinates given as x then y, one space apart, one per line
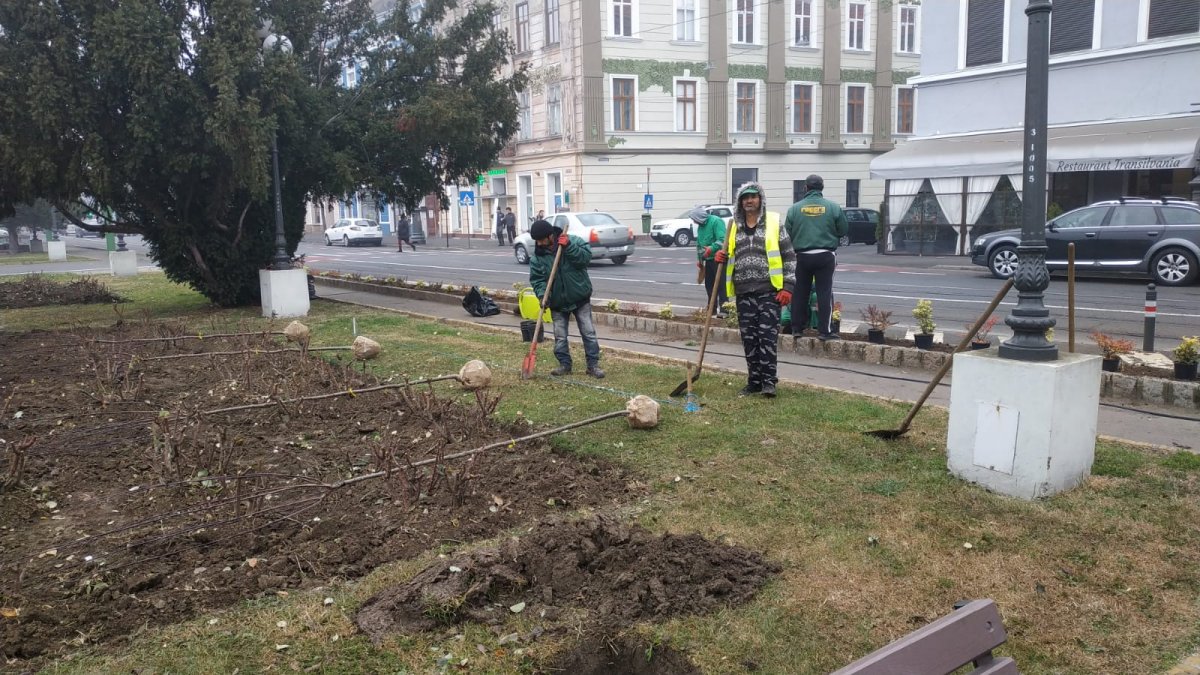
540 229
698 215
750 188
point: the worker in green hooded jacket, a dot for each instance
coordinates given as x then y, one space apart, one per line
710 239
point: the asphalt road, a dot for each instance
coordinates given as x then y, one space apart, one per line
655 275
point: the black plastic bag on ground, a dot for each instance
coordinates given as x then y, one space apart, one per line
478 304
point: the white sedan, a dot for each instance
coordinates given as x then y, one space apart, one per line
353 232
606 235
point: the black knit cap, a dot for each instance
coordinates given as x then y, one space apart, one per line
540 229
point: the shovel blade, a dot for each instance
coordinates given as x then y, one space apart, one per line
528 366
886 434
684 385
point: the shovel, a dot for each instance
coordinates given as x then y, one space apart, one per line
686 385
897 433
530 362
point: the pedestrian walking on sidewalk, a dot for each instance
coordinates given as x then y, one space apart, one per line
404 234
570 296
816 226
760 273
710 238
510 223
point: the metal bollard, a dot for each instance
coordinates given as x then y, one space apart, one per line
1151 309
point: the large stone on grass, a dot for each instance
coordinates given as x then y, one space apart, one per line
364 348
643 412
297 332
475 375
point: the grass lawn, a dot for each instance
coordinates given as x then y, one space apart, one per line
32 258
875 537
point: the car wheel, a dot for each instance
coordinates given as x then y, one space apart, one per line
665 243
619 259
327 241
346 241
683 238
844 241
521 254
1174 267
1003 261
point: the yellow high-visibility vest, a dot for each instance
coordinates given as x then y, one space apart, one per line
774 259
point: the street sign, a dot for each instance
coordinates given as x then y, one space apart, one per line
648 202
466 198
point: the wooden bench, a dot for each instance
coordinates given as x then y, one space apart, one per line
967 636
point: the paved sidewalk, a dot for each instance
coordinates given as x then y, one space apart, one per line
1164 427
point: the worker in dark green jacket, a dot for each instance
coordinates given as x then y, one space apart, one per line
571 294
815 226
710 238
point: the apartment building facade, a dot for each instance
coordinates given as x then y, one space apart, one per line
684 100
1124 115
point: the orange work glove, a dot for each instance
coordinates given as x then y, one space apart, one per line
707 252
562 240
721 256
784 298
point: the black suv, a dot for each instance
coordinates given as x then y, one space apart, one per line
862 226
1160 237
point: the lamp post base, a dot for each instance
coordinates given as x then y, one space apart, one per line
123 263
284 292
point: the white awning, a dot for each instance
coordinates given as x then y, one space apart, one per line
1164 143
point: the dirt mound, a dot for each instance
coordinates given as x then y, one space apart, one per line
620 574
35 290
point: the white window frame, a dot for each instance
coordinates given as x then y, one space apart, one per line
554 109
675 102
522 40
633 17
524 116
916 10
896 106
866 42
683 26
736 24
612 98
550 194
845 113
553 22
1004 36
758 92
791 105
814 24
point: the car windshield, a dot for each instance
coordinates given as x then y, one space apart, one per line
596 219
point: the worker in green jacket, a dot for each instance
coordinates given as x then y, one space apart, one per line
710 238
815 226
570 296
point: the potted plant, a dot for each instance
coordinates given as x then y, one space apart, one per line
835 318
877 321
1186 356
1111 349
982 339
923 313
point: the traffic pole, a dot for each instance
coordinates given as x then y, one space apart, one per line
1151 312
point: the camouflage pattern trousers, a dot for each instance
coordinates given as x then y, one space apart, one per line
758 322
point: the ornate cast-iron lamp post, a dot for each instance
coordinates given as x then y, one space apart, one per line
272 42
1030 319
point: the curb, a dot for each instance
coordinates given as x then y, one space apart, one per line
1113 386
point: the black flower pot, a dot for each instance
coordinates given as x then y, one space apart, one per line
875 335
835 327
923 340
980 344
1111 365
1185 371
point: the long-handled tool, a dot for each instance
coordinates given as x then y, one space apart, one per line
530 362
897 433
692 376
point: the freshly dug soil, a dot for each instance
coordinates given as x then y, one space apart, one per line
605 656
619 574
35 290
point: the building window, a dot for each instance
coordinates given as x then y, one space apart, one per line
985 32
685 105
802 23
1071 25
685 20
524 117
852 193
910 24
905 100
802 108
554 109
623 103
1171 17
857 34
622 18
744 22
856 108
522 13
746 117
552 22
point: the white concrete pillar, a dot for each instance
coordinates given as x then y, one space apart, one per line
123 263
57 250
284 292
1021 428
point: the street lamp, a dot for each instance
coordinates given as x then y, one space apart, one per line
1030 319
272 42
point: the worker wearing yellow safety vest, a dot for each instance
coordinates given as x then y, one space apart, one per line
761 274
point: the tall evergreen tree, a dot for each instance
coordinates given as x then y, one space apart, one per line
158 116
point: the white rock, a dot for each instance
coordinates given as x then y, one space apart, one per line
643 412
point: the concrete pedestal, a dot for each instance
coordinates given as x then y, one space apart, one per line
1020 428
35 246
57 250
284 292
123 263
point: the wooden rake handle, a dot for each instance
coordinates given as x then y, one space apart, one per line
712 300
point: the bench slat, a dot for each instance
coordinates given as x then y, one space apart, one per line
1001 666
940 647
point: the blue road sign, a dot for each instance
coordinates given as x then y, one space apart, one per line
466 198
648 202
